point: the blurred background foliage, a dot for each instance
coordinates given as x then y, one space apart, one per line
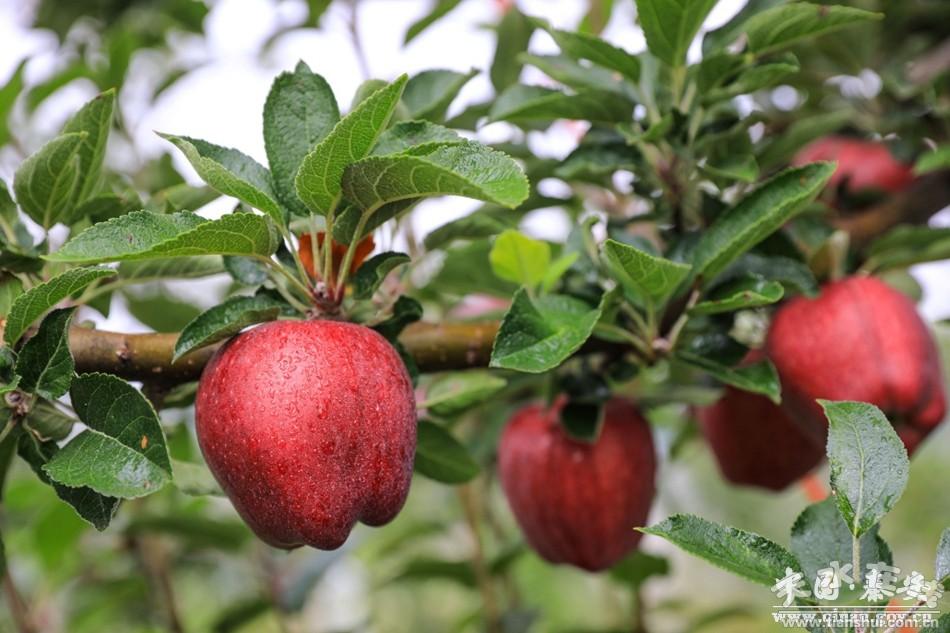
172 562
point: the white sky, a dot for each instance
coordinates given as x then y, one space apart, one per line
221 101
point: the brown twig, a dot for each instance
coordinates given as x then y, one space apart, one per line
148 357
18 608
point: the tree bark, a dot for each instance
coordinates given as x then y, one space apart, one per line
148 357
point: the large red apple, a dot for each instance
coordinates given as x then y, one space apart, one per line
579 502
858 340
755 443
309 427
862 165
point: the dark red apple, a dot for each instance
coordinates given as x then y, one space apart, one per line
862 165
309 427
858 340
578 502
755 443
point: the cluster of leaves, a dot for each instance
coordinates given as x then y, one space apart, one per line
684 220
349 173
869 470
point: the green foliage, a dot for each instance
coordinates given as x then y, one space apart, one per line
671 26
146 235
299 113
539 334
232 173
36 301
758 377
743 553
122 453
452 393
225 320
318 181
869 465
371 274
441 457
820 535
780 26
647 277
757 216
45 184
44 365
522 104
464 169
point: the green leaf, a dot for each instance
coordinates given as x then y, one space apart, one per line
538 335
757 216
35 302
750 292
455 392
780 26
441 457
45 183
195 479
745 554
755 78
574 74
146 235
820 536
94 121
44 365
8 94
868 461
518 258
91 506
429 94
373 271
943 559
171 268
595 50
520 103
466 169
476 225
639 566
318 181
671 26
48 422
906 245
647 276
513 35
791 273
439 9
160 310
409 134
246 270
299 113
123 452
933 161
757 377
557 269
232 173
10 288
225 320
718 39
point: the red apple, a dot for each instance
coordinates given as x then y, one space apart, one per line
755 443
578 502
859 340
309 427
862 165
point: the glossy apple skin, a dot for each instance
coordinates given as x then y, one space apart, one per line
577 502
858 340
864 165
309 427
755 442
